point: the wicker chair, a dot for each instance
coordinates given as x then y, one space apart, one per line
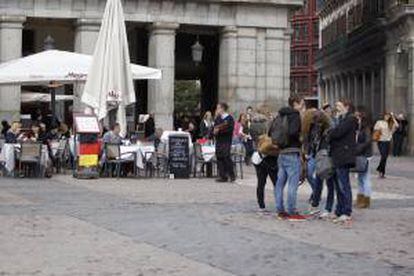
199 162
113 158
30 155
238 155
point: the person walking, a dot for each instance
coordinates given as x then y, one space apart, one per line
399 135
342 150
383 132
223 132
364 148
285 132
265 161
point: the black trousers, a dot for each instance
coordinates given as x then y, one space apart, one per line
398 143
268 168
224 161
384 149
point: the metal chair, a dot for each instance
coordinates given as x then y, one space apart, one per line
30 154
238 155
62 156
199 160
157 162
113 158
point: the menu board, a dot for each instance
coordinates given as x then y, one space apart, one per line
179 156
86 124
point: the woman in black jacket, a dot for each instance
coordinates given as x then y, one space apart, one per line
364 148
342 150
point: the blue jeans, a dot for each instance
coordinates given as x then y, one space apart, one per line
289 172
364 182
343 192
316 184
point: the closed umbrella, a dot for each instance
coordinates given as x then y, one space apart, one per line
109 84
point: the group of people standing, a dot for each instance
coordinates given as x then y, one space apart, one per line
300 143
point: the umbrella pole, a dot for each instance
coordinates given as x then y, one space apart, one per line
52 92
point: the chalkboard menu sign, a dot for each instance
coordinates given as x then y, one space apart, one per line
179 156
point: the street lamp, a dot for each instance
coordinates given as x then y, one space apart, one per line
197 51
48 43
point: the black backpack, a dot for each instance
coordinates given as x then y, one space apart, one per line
279 131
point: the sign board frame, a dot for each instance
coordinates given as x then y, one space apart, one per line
179 162
90 124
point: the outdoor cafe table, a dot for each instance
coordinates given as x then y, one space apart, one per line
8 156
208 151
141 150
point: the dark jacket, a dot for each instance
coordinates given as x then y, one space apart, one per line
10 137
295 126
343 143
364 141
224 136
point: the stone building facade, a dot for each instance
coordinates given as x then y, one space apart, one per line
366 55
254 43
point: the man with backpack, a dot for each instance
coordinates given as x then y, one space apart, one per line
285 132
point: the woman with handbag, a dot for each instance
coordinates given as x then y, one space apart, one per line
364 156
383 131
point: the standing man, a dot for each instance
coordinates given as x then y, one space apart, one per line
223 132
285 132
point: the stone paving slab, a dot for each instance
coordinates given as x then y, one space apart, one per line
194 227
62 245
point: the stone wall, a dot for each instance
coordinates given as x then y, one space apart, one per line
254 48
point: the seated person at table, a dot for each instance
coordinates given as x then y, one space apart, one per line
64 132
34 135
13 134
113 136
52 133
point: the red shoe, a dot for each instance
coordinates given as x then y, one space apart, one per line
296 217
282 215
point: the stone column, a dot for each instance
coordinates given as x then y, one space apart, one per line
86 35
349 87
246 93
277 67
11 36
364 98
161 55
390 76
410 98
373 92
356 89
228 64
382 90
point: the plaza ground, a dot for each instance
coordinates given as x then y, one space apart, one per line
63 226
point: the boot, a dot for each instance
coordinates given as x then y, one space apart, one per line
367 202
360 201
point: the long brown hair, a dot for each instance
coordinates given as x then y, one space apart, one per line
390 121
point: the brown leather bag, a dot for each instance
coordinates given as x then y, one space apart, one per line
376 136
266 147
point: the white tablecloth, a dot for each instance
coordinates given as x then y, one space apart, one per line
141 151
7 155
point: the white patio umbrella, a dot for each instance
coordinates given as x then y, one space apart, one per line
58 66
30 97
109 84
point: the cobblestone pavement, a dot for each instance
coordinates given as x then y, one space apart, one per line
64 226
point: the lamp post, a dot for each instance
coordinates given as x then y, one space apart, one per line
197 52
49 44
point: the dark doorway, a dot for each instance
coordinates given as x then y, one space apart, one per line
204 73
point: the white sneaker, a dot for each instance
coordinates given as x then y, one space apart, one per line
326 215
312 211
342 219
